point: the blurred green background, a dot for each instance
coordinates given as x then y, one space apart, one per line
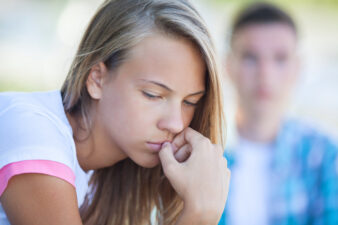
38 39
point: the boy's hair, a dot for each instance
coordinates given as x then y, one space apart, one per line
261 13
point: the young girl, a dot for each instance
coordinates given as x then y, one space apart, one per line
140 108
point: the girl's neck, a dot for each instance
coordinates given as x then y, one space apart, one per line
89 144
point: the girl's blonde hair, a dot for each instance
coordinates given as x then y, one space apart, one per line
126 193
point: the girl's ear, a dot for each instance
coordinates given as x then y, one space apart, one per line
95 80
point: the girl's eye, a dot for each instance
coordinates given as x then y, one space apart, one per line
190 103
151 96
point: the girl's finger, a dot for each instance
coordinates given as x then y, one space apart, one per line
188 135
183 153
167 158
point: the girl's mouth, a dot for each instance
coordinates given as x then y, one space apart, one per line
155 146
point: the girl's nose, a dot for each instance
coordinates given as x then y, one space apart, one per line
172 120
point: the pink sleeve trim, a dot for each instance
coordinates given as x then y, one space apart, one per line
47 167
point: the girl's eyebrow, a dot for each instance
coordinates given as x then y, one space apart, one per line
168 88
158 84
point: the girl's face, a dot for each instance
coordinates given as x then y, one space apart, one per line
151 97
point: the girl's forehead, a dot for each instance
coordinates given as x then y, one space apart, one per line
164 45
174 61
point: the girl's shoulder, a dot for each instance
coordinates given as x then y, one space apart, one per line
36 137
34 127
48 101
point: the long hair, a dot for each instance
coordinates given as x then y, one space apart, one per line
125 193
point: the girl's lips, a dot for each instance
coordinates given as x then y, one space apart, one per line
154 146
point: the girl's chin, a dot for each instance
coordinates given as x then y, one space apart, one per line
149 162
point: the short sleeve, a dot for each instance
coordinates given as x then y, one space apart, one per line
34 140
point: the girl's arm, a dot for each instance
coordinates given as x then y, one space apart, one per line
37 199
201 178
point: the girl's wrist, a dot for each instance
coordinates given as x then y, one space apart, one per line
194 213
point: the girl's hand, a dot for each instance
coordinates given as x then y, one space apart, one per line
198 172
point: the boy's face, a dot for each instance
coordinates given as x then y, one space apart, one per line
263 66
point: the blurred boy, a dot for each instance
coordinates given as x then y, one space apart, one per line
283 171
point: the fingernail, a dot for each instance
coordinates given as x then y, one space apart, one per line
165 144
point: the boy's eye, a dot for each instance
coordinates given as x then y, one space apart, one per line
250 59
151 96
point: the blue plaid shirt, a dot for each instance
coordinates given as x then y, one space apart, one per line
304 168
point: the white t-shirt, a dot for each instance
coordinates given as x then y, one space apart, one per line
36 137
248 200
